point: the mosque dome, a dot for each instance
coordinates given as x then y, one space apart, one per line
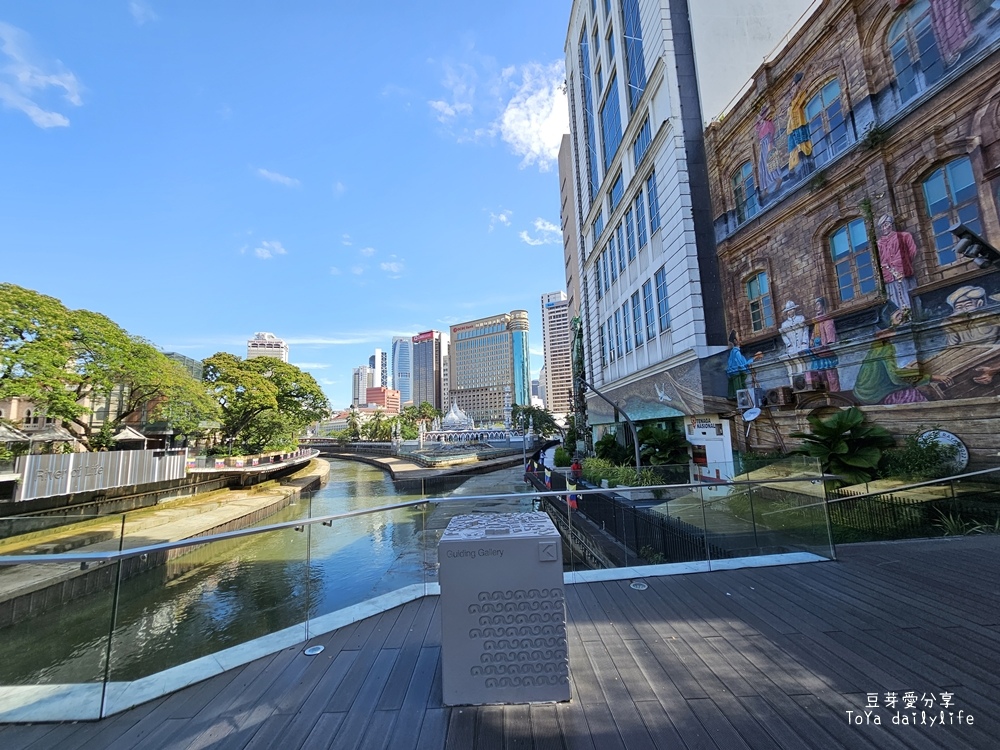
456 419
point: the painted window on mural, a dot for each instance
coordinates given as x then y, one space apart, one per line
951 196
828 126
761 307
745 193
852 260
926 39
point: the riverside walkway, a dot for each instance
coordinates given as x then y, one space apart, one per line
780 657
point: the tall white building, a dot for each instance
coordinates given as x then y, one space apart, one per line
654 333
402 362
265 344
362 378
379 362
557 374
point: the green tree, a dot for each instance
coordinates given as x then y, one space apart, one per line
845 445
659 447
353 424
542 420
263 402
66 360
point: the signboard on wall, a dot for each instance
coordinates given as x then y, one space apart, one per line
711 450
46 475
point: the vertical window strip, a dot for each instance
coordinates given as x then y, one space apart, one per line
630 234
635 65
637 319
640 220
649 310
588 119
641 144
611 123
621 247
662 302
625 317
654 203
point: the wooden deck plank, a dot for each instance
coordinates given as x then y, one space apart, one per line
461 728
409 651
412 711
360 711
545 733
322 732
517 727
489 728
433 730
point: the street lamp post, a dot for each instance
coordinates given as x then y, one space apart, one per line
613 405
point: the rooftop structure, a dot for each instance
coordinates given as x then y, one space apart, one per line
265 344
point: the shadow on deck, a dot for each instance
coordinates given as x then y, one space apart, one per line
759 658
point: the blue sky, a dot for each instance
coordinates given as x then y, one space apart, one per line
336 173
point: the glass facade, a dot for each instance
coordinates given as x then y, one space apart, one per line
611 123
588 116
635 65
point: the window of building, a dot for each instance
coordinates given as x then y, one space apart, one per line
952 198
637 319
852 260
648 309
654 203
611 341
611 258
828 127
640 220
611 123
745 193
611 45
607 8
598 227
916 56
662 301
621 247
588 116
604 269
641 144
617 191
604 345
618 332
597 278
635 66
599 77
761 307
630 234
625 317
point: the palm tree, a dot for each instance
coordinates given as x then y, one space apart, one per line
354 424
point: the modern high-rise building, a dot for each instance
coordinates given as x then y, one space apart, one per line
653 325
567 218
488 356
557 375
402 362
265 344
379 362
361 381
429 349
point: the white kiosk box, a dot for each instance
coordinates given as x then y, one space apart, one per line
503 610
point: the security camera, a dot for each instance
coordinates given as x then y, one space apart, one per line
974 247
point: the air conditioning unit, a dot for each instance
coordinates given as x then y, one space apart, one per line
808 382
748 398
781 396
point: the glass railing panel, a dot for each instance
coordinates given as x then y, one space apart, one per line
55 618
187 613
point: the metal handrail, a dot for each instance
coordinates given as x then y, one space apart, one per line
114 556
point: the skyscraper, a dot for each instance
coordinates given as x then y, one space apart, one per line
557 380
361 381
265 344
488 356
402 374
428 366
379 362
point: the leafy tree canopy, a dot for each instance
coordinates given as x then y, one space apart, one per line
264 402
542 420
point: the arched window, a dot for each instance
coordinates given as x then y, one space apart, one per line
745 193
916 57
952 198
761 308
852 260
828 127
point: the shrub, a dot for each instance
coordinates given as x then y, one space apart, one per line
920 458
609 449
562 457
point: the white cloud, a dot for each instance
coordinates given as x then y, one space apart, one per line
460 79
546 233
345 239
368 251
334 271
392 266
536 116
269 249
23 79
339 189
278 178
357 270
501 218
311 365
142 12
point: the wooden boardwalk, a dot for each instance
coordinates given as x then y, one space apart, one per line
758 658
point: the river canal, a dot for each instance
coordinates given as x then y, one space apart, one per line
227 593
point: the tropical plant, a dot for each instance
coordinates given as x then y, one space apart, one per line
611 450
952 524
659 447
562 457
845 445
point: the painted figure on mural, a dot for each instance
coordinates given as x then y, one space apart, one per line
896 251
794 331
768 177
881 380
823 360
981 334
738 366
800 146
952 28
